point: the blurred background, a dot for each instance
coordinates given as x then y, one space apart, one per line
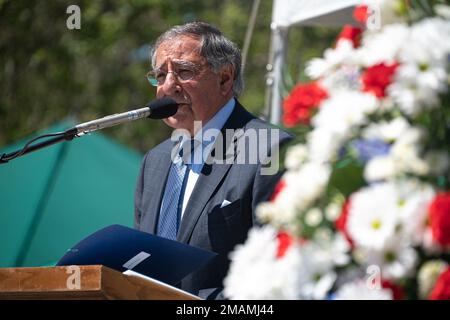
52 77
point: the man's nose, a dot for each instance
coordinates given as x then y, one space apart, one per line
171 84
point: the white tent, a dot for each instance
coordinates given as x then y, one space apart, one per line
288 13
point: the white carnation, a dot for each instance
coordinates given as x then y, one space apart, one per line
346 77
256 273
333 211
359 290
422 74
383 46
313 217
317 271
413 199
337 118
405 156
282 211
302 188
406 151
397 259
343 111
333 58
387 131
295 156
323 145
335 246
278 216
380 168
428 42
415 91
313 178
372 216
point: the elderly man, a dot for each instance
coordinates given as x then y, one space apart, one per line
210 202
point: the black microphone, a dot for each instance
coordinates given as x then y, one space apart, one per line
162 108
158 109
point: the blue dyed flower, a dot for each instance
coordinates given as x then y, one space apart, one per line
367 149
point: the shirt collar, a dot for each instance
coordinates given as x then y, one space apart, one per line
216 122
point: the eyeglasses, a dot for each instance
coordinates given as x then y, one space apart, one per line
184 71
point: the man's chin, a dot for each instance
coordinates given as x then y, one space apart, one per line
179 121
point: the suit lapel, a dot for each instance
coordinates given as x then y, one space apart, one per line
203 190
210 177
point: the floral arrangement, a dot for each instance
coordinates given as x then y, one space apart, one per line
363 209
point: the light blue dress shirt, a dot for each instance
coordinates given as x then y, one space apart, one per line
202 150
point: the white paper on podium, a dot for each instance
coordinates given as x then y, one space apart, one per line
139 275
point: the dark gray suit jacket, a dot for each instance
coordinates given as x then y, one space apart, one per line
205 224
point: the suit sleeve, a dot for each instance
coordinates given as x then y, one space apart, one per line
138 196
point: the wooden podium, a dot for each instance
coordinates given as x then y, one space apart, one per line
94 282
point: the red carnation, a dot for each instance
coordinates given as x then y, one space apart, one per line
300 103
397 291
284 240
350 33
441 290
361 13
341 222
439 214
377 78
278 188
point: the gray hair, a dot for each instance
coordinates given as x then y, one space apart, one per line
215 48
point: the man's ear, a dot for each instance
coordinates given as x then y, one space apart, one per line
226 80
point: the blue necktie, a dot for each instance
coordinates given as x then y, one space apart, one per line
172 204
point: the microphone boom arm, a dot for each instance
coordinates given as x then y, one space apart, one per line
159 109
61 136
112 120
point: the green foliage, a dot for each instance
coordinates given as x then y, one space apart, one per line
49 73
347 176
417 9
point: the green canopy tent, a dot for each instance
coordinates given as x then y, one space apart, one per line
54 197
